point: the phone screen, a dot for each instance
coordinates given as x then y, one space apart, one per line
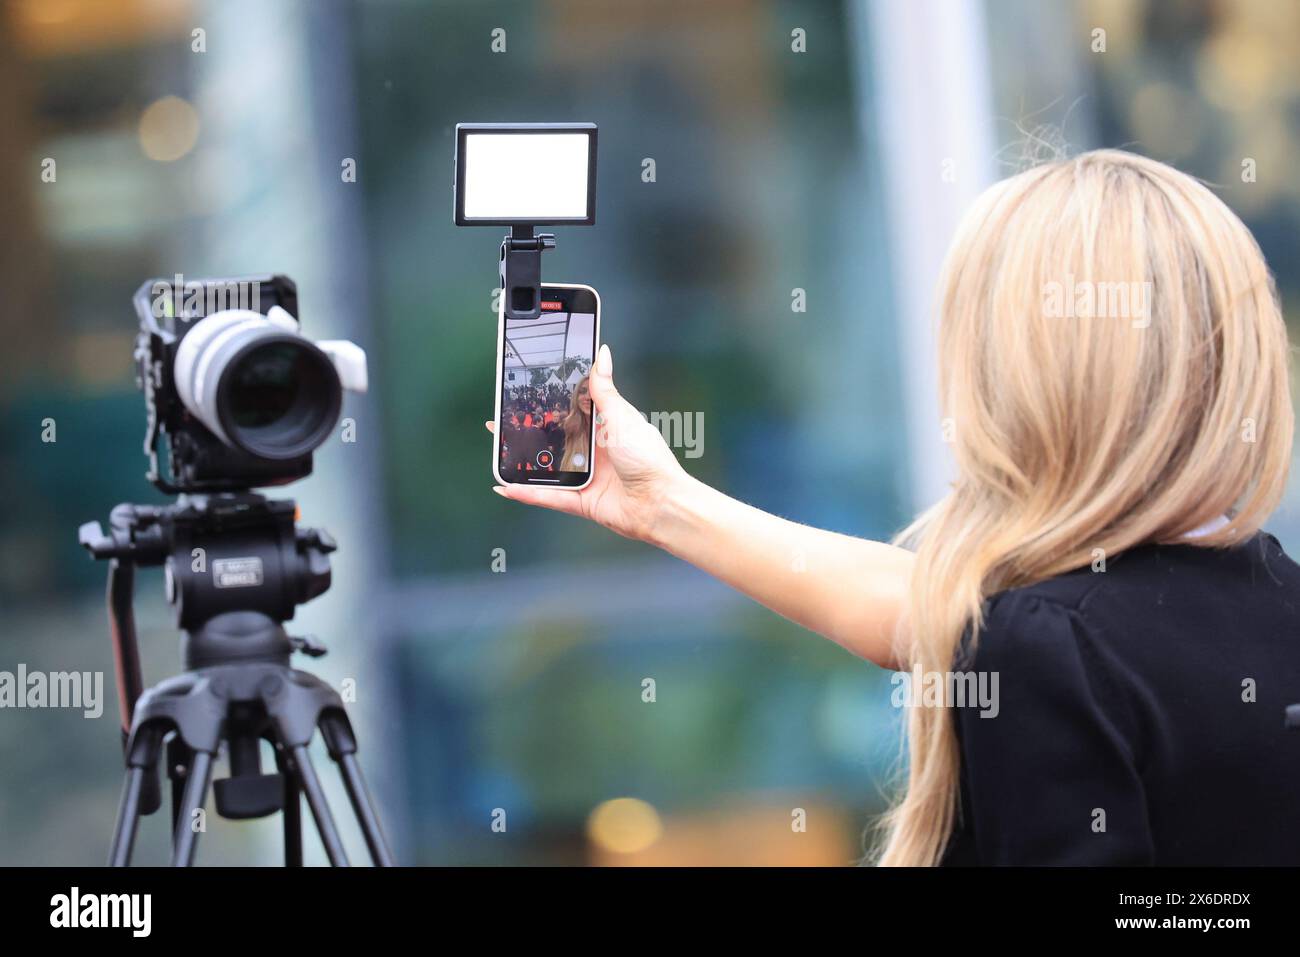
546 426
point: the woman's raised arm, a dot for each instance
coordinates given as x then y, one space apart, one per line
850 590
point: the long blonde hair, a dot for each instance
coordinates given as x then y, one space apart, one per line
577 430
1079 426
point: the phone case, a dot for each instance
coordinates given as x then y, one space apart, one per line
496 414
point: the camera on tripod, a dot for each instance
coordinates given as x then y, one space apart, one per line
238 399
235 393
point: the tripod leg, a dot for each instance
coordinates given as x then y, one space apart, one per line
320 810
292 813
185 838
137 797
342 745
365 811
128 819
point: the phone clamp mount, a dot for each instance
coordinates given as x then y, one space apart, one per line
236 566
524 175
521 271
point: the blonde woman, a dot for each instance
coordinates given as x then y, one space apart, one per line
1099 550
576 428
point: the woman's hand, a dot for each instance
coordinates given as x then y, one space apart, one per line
636 472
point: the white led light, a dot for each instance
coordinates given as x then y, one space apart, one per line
526 176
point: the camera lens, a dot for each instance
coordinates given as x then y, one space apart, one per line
280 398
266 385
256 386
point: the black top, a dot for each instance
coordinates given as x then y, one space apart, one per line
1140 715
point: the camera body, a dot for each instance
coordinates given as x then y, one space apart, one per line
236 397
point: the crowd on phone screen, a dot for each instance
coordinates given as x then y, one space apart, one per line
549 419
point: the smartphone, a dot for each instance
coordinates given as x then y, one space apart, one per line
545 419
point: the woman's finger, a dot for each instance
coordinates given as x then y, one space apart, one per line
552 498
490 426
615 411
601 382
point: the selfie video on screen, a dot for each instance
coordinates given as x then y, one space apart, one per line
546 409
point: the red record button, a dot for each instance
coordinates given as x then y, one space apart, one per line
545 458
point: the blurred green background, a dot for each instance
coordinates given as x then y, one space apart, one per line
815 152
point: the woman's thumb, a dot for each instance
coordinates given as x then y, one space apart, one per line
618 417
603 392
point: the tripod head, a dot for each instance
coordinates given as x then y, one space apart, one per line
227 554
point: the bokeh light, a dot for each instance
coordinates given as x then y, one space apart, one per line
624 825
169 128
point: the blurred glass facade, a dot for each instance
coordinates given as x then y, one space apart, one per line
777 178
